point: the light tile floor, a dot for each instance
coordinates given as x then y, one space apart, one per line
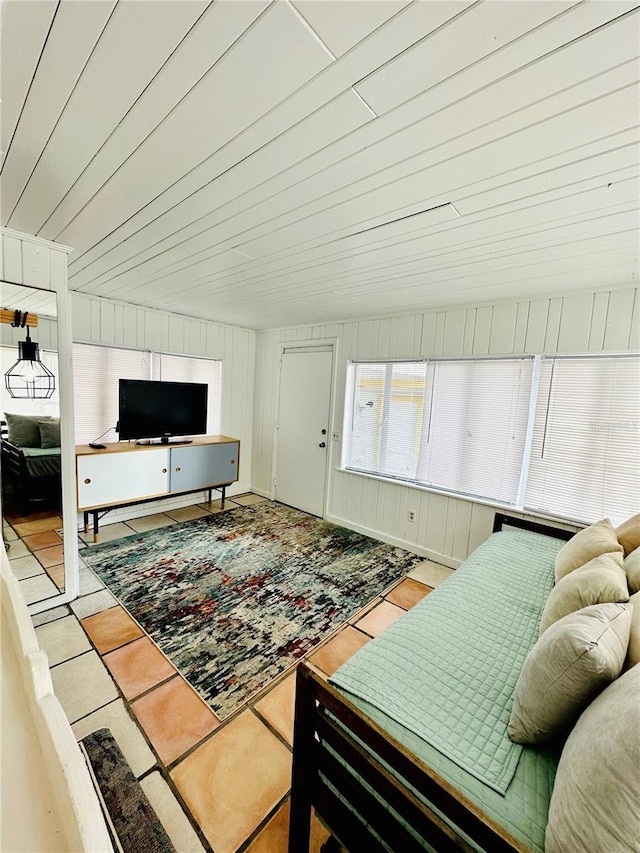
221 787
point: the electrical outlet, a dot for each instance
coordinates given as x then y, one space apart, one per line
412 515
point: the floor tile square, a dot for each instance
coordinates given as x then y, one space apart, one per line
175 718
234 780
188 513
215 506
89 581
46 539
430 573
249 500
111 629
138 667
82 685
277 707
25 567
50 615
38 588
339 649
108 533
9 533
26 528
17 549
56 573
408 593
150 522
62 640
128 736
274 838
378 620
95 602
51 556
170 814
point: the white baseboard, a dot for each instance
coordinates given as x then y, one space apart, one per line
427 553
262 492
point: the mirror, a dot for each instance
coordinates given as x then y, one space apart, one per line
31 459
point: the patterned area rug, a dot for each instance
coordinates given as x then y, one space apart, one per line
236 598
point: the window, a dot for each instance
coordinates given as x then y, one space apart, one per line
459 425
97 369
585 454
555 435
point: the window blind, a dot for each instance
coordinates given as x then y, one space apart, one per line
96 370
183 368
459 425
585 458
475 427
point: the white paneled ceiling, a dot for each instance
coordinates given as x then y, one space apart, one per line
271 163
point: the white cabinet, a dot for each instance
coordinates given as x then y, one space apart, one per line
122 477
125 474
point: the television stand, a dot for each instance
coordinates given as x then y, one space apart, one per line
151 442
121 475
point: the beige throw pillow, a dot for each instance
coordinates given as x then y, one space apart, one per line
633 653
629 534
599 538
632 569
569 665
594 804
601 580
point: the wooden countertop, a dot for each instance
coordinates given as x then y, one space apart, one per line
128 446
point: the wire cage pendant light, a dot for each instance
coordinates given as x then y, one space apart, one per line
29 378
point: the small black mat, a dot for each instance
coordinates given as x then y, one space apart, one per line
133 820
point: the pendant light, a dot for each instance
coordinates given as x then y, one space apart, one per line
28 378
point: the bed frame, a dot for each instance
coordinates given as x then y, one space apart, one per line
29 490
323 716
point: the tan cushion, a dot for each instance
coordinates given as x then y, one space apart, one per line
632 569
602 579
599 538
570 664
594 804
633 653
629 534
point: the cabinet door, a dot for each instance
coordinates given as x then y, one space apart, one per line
203 465
121 477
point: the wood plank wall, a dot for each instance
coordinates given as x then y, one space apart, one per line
105 321
445 528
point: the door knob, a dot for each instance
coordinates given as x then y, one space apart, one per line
322 444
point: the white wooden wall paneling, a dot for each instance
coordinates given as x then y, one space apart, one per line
34 20
376 50
62 62
446 528
209 39
116 73
298 189
279 43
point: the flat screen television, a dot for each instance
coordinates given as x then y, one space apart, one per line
150 409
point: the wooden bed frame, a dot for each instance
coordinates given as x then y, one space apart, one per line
325 716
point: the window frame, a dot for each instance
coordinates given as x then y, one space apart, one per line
520 505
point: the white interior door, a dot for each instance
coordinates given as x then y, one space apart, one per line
303 429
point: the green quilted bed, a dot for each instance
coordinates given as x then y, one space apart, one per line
441 680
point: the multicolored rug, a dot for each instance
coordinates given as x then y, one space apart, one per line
236 598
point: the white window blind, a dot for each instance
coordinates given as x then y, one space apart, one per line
459 425
96 371
475 427
182 368
585 459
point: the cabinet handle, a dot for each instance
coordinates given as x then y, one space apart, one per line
164 470
177 469
233 462
87 481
